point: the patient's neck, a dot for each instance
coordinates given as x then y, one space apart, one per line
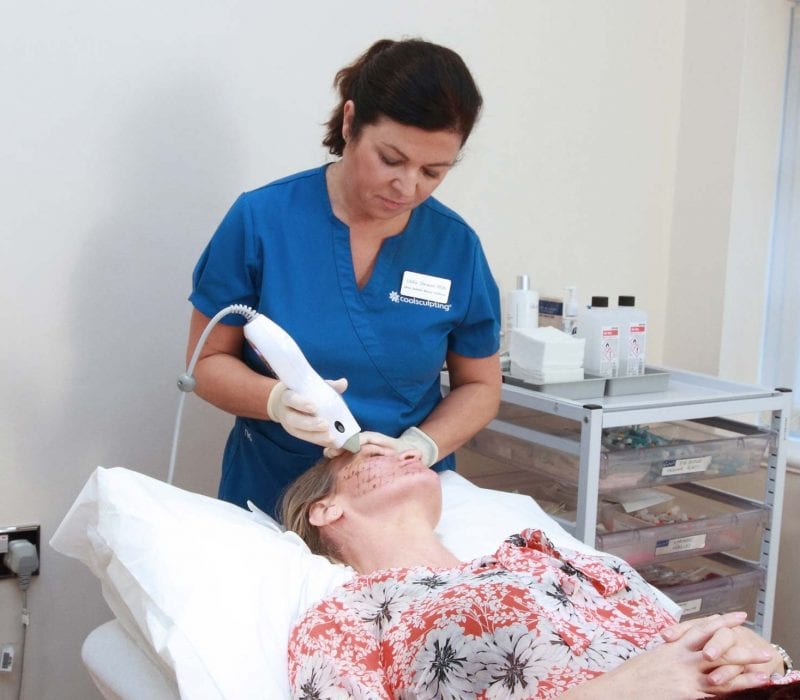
395 545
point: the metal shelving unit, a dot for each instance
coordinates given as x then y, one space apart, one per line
689 396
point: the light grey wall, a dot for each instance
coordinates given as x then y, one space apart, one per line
126 130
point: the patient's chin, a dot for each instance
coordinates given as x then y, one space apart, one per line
409 489
380 474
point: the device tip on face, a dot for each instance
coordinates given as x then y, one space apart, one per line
353 444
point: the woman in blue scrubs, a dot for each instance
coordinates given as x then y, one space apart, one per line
376 280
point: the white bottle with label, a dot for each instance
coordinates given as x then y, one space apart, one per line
599 325
633 337
523 306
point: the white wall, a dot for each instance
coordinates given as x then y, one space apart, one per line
127 130
728 139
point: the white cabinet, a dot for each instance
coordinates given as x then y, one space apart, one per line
562 434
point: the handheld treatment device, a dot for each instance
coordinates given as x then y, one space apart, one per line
279 350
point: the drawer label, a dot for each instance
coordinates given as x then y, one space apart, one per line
680 544
691 606
690 465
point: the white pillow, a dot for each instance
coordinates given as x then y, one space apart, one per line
476 520
212 591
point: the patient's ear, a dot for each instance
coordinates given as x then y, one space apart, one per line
324 513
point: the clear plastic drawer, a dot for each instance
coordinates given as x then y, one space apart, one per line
662 453
691 522
706 585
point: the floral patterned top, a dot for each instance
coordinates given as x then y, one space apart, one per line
529 621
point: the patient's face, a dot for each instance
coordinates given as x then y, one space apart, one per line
380 477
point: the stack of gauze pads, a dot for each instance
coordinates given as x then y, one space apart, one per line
546 355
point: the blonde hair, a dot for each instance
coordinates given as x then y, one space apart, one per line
311 486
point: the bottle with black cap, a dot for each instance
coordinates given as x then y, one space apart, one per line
633 337
600 327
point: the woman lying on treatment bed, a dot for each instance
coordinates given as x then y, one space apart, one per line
528 621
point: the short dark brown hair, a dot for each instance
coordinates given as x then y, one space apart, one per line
413 82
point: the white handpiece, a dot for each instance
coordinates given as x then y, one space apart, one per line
278 349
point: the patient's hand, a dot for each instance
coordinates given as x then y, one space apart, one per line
737 650
680 669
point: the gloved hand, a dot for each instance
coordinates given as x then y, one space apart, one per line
411 439
298 414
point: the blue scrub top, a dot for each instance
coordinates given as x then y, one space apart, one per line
281 250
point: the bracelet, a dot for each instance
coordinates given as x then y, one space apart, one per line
788 664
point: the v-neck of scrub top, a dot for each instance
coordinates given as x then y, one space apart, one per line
383 262
362 303
343 254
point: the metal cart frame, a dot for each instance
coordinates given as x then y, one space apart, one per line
689 396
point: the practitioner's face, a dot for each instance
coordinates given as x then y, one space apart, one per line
391 167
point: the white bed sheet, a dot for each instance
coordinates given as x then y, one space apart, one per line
120 668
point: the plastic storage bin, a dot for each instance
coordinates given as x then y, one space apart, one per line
678 451
717 523
727 584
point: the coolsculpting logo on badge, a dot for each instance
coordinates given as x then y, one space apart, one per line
396 298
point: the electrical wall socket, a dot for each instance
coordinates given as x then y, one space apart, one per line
31 533
7 654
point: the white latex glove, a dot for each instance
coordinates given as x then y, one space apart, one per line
411 439
298 414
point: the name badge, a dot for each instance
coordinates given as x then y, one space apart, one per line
426 287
